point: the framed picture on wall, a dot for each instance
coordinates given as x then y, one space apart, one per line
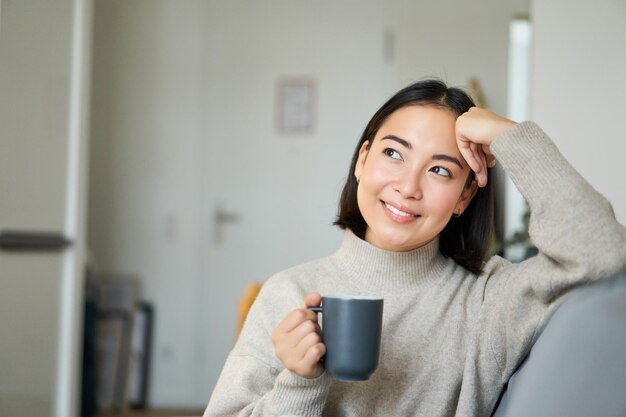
295 104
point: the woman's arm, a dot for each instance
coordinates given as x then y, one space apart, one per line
574 229
572 225
254 382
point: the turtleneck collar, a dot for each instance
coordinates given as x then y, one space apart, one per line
377 270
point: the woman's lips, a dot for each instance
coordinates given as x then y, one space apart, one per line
400 215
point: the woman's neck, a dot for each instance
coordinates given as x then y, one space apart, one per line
375 269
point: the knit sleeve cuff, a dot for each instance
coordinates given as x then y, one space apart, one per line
294 395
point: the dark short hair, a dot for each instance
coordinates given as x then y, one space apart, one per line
465 239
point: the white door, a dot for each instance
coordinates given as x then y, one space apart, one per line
270 198
42 168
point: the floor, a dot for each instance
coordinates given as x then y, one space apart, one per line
153 413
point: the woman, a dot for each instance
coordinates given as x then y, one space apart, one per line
416 209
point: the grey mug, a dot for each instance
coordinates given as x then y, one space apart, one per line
351 330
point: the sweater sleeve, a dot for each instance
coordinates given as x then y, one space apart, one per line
574 229
253 382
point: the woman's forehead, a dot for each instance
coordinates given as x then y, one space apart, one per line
420 124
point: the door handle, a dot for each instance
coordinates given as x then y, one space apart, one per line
222 218
31 241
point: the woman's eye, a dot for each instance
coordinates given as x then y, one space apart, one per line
392 153
441 171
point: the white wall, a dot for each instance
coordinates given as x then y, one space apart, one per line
579 87
182 90
455 39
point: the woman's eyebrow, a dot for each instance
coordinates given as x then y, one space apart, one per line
437 157
441 157
401 141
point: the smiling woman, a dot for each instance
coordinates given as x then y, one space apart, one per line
416 209
412 178
421 120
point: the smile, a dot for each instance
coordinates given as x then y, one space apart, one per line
399 212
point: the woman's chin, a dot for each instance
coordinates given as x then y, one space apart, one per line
393 242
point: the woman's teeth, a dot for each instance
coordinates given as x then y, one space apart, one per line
398 212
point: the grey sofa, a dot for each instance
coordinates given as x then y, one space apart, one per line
577 367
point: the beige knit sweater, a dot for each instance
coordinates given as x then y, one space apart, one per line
451 339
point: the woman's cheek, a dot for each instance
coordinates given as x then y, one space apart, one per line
444 198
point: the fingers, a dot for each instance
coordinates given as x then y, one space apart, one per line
294 337
467 153
481 174
312 299
479 157
295 318
475 158
306 343
476 129
297 340
307 356
295 326
314 354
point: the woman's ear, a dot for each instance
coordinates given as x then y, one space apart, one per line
361 160
466 197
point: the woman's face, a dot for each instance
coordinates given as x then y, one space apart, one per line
412 178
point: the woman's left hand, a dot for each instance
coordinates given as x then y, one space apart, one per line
475 130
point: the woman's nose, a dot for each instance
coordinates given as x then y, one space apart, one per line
409 186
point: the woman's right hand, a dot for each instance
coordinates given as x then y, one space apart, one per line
476 129
297 340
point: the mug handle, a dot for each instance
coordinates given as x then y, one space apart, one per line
317 310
